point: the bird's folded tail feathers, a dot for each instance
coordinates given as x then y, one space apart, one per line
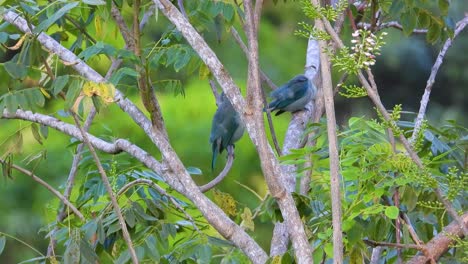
215 146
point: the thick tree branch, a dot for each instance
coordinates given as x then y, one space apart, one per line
438 245
48 187
274 181
435 68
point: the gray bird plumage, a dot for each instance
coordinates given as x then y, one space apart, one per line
226 128
292 96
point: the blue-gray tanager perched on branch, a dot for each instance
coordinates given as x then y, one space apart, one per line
226 129
292 96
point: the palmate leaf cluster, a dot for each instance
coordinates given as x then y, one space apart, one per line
371 173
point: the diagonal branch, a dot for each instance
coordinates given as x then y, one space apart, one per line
48 187
439 244
435 68
274 179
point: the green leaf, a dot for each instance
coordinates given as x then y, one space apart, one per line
408 21
16 70
396 8
89 229
121 73
59 83
35 132
11 103
181 61
2 243
56 16
3 37
129 218
88 252
150 243
228 12
138 209
444 6
123 258
433 33
72 93
72 253
424 19
44 130
392 212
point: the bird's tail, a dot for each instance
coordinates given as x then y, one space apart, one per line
215 149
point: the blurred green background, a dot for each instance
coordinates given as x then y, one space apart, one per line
401 73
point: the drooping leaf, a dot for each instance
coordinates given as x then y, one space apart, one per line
409 21
35 132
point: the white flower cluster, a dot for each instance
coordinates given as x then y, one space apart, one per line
366 46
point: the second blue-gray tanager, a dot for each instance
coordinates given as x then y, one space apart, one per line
292 96
226 128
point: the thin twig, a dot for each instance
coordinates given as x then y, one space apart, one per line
430 82
244 48
373 243
160 191
391 24
223 173
48 187
105 180
180 3
410 228
270 124
396 201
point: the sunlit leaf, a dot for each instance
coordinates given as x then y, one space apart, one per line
392 212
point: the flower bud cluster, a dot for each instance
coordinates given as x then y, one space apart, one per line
366 46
